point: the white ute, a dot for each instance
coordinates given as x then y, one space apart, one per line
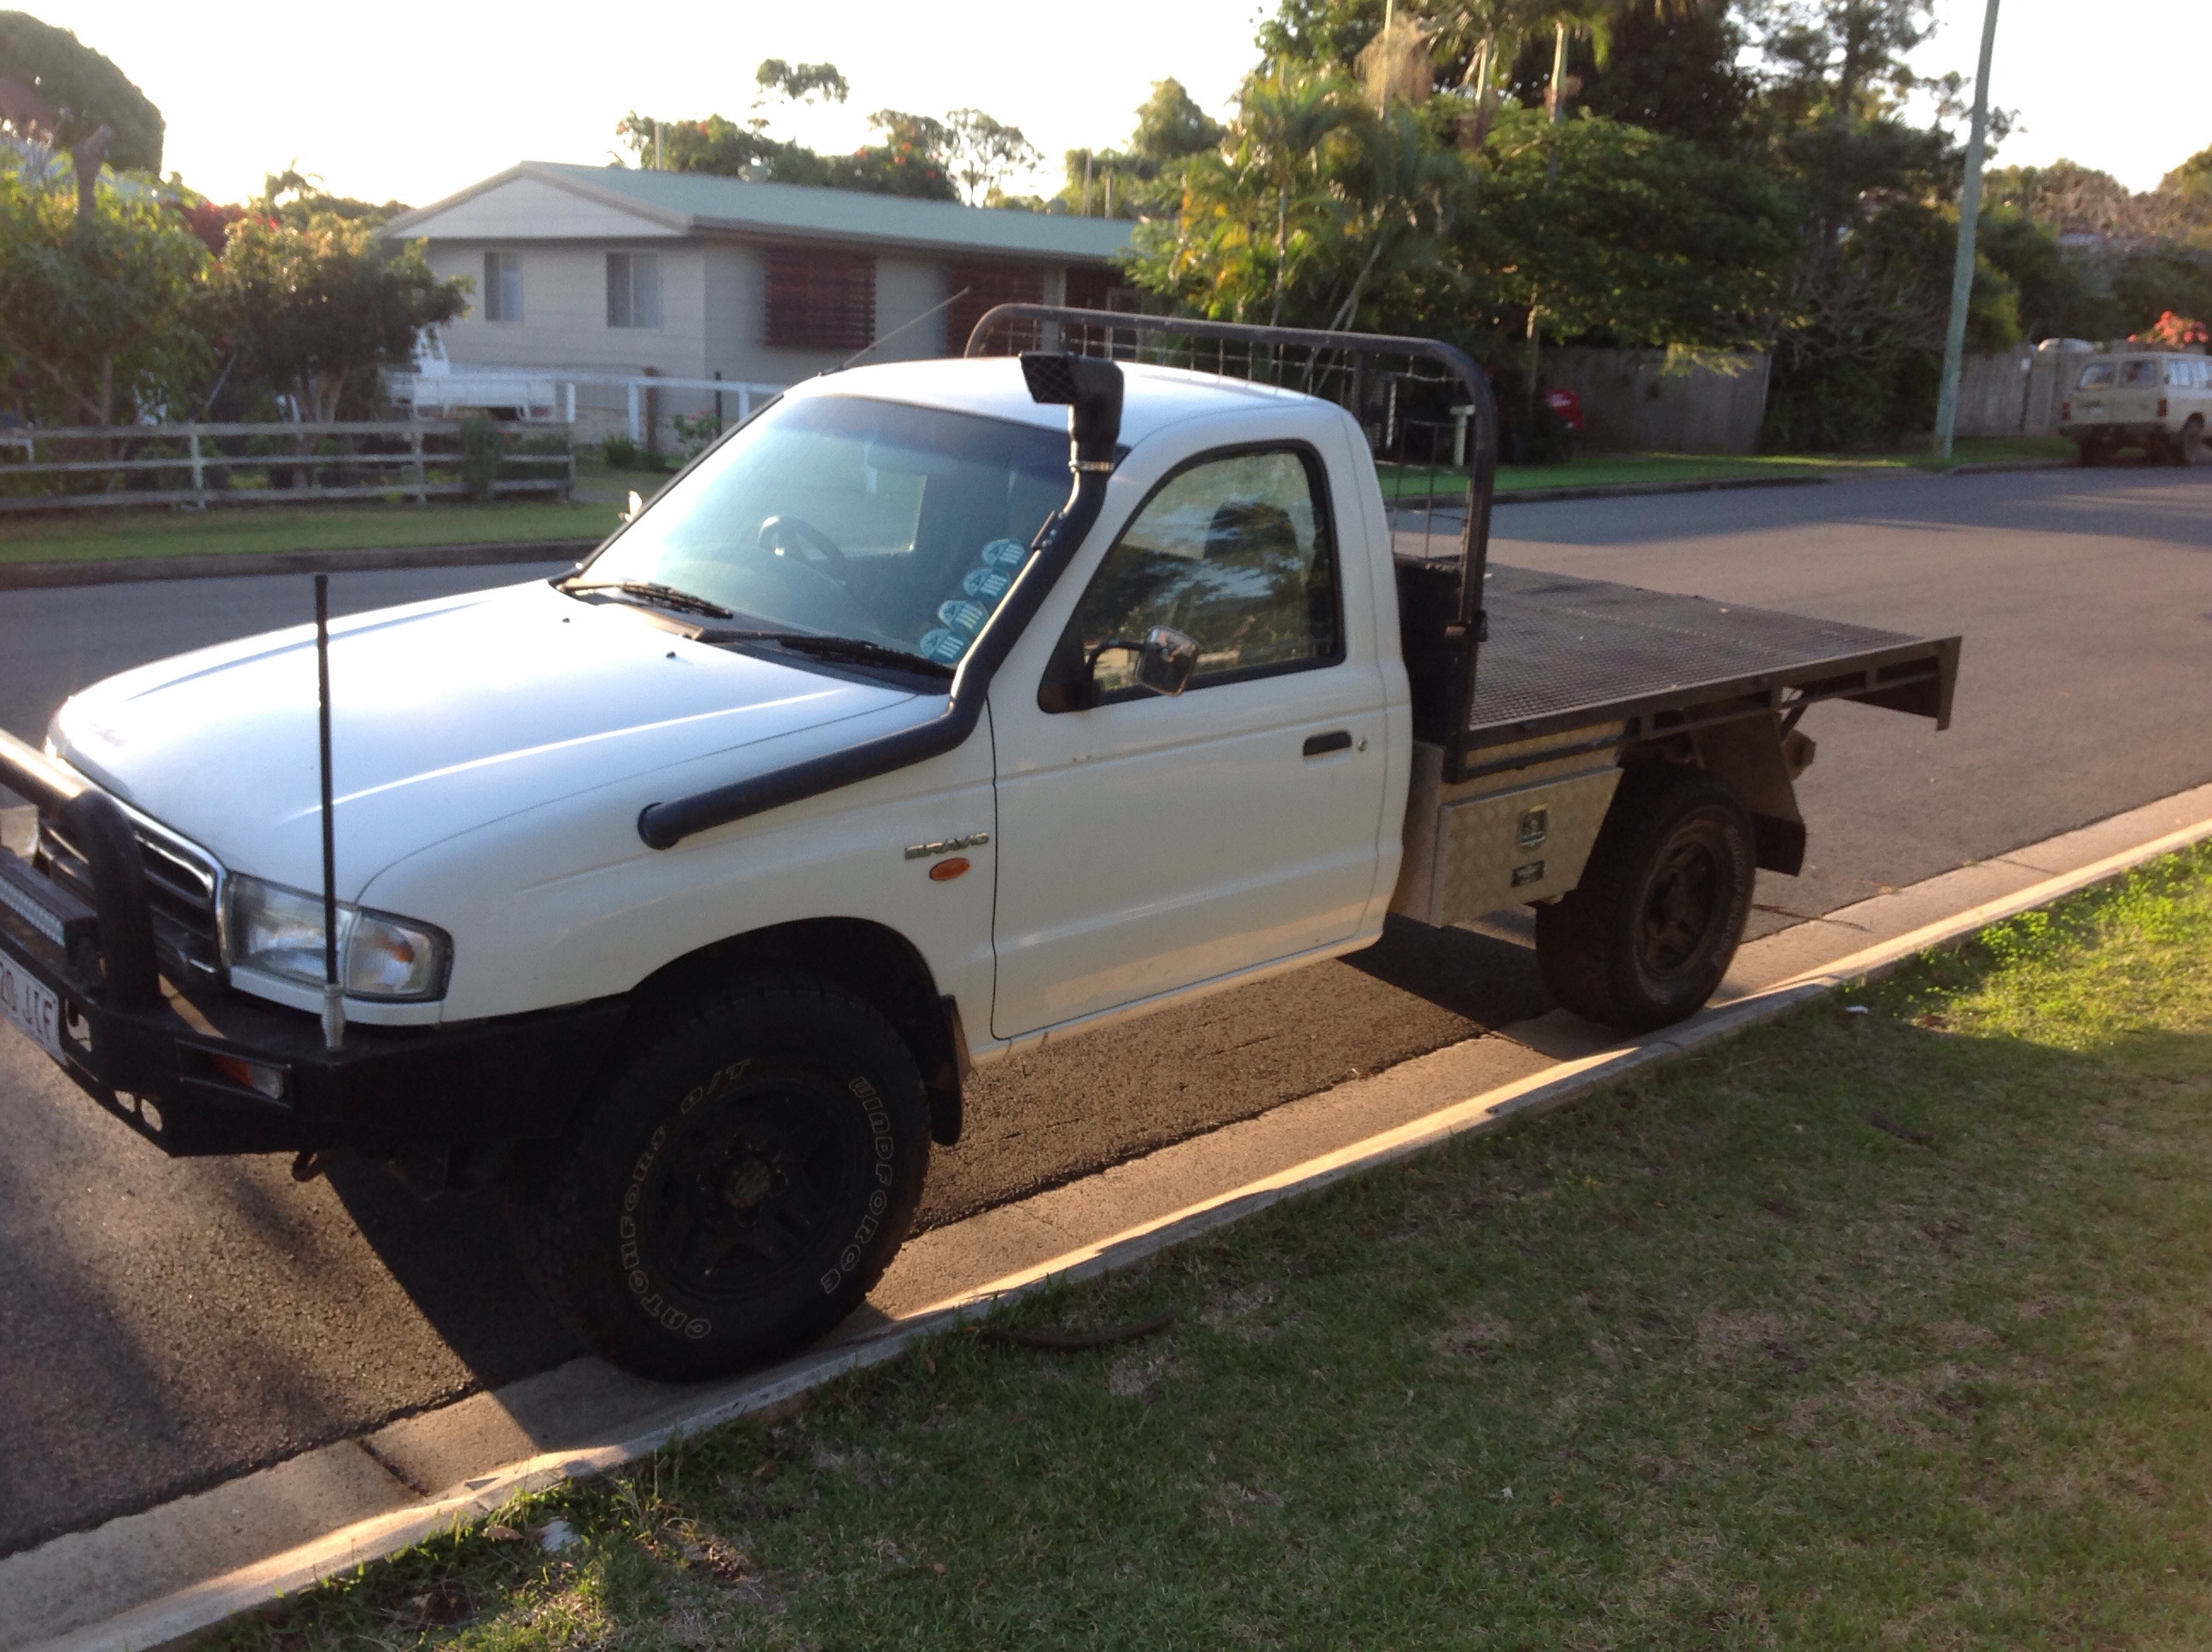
941 708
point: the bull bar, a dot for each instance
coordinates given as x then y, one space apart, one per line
197 1067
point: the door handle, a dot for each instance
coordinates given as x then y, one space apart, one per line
1320 745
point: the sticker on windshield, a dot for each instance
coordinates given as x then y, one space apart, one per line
965 617
958 622
943 647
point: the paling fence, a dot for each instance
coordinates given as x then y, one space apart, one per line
92 466
1644 402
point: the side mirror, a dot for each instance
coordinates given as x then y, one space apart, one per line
1165 659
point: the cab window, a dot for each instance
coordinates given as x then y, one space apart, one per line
2138 374
2097 375
2183 373
1233 551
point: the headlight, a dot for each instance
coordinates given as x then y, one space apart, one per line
279 931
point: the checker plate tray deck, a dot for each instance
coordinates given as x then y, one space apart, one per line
1557 644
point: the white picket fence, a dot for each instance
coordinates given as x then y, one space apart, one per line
198 451
528 389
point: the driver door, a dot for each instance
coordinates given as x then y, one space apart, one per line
1148 843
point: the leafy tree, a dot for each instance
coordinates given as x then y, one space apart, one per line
2158 281
66 94
95 312
807 83
313 311
1324 210
1677 74
981 153
293 198
967 154
1144 180
2061 294
1171 127
1615 234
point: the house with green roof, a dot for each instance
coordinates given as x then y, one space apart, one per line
607 270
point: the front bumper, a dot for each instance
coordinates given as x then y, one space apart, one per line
161 1057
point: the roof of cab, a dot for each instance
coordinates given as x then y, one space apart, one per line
1152 397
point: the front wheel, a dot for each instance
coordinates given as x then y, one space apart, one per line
1645 938
741 1180
2189 448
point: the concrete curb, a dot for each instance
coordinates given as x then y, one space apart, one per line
192 1610
228 565
1998 466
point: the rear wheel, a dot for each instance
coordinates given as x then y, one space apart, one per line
742 1180
2096 452
1646 937
2189 448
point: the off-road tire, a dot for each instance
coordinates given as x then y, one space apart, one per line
736 1185
2189 448
1644 939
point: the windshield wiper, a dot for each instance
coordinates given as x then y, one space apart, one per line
662 596
828 647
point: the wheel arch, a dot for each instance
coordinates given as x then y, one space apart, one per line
870 960
1760 756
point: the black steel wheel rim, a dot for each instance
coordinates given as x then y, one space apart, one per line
755 1188
1684 904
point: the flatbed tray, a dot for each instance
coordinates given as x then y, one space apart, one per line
1563 652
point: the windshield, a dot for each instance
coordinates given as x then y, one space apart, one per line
898 526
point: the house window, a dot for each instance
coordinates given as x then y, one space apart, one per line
502 287
820 299
633 290
987 285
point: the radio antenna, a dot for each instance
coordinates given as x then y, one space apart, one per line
333 995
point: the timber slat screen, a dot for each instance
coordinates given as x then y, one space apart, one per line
412 459
819 298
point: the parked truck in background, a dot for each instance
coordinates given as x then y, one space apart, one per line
939 709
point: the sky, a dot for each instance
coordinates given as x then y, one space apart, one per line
413 113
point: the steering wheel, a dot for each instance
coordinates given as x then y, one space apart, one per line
779 533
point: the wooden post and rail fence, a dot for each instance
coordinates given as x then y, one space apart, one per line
422 458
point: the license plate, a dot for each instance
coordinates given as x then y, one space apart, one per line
25 1002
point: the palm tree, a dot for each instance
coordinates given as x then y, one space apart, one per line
1285 120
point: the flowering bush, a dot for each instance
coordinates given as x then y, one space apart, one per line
2175 332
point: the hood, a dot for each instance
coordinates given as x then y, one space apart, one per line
444 715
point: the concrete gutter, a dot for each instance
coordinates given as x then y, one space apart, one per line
220 1553
229 565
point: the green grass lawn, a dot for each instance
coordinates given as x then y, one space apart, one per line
1616 470
92 536
1866 1329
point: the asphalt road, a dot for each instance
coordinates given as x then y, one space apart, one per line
165 1324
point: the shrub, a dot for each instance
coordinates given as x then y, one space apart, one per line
620 452
482 448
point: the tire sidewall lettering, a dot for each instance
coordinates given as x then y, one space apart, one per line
657 1302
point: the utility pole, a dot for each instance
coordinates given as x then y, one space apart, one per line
1962 269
